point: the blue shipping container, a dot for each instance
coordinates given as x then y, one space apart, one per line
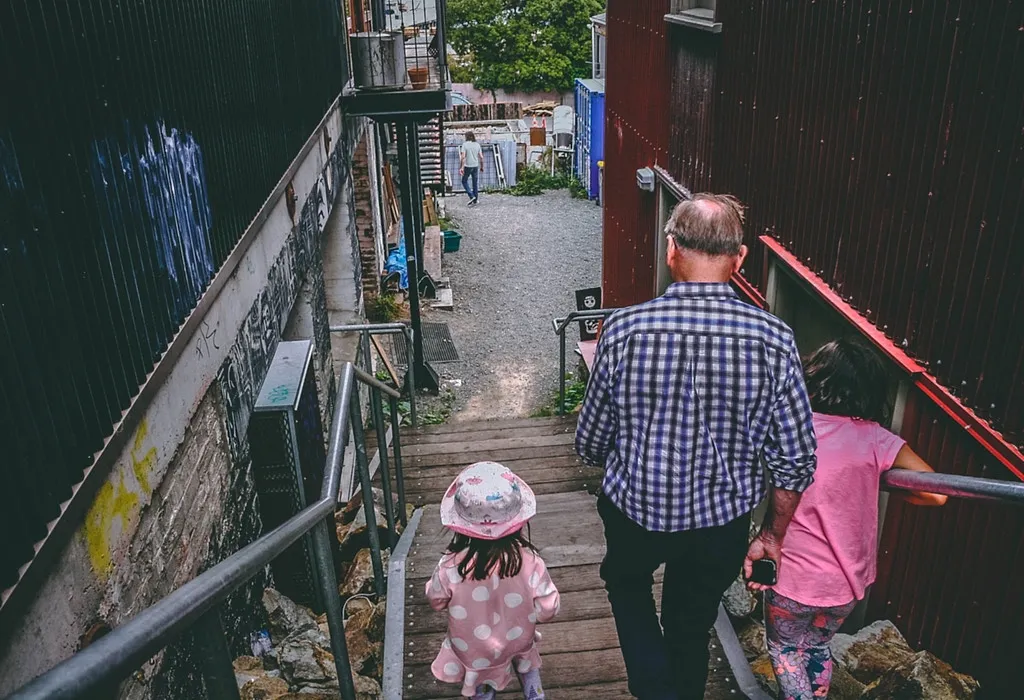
589 133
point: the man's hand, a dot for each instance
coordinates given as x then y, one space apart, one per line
764 546
462 171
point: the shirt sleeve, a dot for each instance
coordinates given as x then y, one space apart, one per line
595 430
546 600
438 591
789 450
887 446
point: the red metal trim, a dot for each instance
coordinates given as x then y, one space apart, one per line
979 429
752 293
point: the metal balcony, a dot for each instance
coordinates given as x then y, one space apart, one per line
401 69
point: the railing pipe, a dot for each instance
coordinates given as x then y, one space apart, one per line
116 654
215 657
382 450
363 469
397 447
374 383
337 439
955 485
390 329
323 554
560 324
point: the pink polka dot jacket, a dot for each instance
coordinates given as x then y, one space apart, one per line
492 624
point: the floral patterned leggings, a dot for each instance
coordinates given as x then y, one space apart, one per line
798 637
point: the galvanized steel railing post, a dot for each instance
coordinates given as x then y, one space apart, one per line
396 444
410 375
322 552
215 657
561 371
382 450
363 468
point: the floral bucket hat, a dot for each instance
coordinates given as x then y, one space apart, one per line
487 501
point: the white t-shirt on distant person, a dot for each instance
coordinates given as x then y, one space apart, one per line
472 152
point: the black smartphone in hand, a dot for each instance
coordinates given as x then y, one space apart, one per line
765 572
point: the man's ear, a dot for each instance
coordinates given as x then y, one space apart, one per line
740 257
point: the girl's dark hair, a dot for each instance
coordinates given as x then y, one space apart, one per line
847 378
484 557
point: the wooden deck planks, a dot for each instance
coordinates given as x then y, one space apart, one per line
580 647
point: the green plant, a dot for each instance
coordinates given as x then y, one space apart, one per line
446 223
575 391
441 411
577 190
383 308
534 181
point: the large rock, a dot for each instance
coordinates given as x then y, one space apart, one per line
751 637
305 660
922 677
366 689
359 576
286 616
364 635
871 652
738 601
264 688
765 674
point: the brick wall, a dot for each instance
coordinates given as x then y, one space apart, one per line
364 220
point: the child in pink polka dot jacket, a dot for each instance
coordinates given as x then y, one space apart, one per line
493 584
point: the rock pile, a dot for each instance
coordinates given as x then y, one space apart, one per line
301 665
874 664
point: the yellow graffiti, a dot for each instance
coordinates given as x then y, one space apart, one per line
143 465
117 503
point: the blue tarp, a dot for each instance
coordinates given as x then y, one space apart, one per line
397 261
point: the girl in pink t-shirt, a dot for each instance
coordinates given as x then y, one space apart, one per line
493 584
828 558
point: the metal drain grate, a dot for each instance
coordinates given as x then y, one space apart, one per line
438 345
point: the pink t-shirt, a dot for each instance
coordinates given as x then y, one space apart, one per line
828 557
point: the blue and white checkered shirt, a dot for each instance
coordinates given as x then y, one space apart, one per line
690 395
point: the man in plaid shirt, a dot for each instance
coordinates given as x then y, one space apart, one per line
695 405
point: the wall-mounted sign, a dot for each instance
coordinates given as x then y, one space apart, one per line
589 300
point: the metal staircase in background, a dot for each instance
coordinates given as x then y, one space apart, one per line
431 146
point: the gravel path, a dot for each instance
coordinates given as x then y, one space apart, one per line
519 265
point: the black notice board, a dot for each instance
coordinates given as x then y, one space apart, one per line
588 300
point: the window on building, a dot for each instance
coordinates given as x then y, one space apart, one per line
697 14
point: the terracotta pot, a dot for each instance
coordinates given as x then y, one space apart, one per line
419 78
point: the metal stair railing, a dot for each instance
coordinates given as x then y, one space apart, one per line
195 606
560 324
365 330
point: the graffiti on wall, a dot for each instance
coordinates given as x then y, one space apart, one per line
242 372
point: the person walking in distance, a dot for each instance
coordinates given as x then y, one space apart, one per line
697 410
471 166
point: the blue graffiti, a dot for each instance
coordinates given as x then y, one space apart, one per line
10 170
154 182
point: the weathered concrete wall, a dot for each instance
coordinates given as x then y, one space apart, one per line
181 496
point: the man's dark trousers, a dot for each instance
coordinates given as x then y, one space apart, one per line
668 661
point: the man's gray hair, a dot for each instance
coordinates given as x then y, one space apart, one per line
709 223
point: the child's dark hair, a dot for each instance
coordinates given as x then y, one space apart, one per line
484 557
846 378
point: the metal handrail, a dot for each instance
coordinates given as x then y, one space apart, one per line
967 487
560 324
365 330
196 604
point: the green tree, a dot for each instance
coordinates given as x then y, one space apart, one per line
523 44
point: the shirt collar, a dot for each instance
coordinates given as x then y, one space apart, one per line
705 290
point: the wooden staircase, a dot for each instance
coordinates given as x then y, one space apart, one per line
580 648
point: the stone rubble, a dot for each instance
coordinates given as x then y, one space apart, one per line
876 663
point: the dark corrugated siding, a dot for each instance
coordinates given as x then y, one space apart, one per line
948 577
882 144
637 111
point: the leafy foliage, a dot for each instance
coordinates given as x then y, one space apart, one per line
383 308
575 391
525 45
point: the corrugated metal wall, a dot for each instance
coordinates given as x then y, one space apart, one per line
949 577
137 142
882 144
637 118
